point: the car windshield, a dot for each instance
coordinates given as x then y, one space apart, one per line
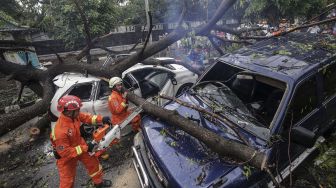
248 98
222 100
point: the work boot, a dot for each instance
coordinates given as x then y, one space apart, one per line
104 183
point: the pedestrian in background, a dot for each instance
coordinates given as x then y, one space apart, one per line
196 56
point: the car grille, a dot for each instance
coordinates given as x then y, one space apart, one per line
162 179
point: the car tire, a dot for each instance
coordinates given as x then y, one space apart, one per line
183 89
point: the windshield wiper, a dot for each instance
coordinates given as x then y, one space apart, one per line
221 105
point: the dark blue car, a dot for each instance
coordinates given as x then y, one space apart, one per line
279 93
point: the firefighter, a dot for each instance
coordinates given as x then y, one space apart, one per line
69 147
118 104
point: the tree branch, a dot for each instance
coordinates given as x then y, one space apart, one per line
149 32
86 30
152 61
219 50
229 41
291 30
227 122
312 19
223 7
235 31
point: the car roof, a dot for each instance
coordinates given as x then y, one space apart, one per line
69 78
139 66
289 56
171 67
72 78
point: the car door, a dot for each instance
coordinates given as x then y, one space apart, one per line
305 111
131 84
100 104
329 94
85 91
166 86
156 81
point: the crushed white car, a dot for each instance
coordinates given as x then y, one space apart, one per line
146 81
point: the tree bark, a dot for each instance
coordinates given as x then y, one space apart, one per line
9 122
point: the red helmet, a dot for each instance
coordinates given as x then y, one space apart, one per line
69 102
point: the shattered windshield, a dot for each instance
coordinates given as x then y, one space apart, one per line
222 100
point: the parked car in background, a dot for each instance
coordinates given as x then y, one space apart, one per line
279 93
144 80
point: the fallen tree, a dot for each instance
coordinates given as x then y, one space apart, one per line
219 145
40 81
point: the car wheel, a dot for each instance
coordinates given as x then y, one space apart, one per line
183 89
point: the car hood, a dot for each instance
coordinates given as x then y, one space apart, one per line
185 161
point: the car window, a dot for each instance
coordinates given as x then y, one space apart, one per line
159 78
83 91
303 102
142 73
129 82
104 89
329 80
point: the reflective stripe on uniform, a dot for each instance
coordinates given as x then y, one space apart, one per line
78 150
94 120
53 133
123 104
94 174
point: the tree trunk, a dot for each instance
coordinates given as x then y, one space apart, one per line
216 143
10 121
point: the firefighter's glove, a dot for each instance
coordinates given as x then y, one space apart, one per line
106 120
91 146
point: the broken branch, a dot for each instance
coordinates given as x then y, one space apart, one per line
291 30
227 122
219 50
229 41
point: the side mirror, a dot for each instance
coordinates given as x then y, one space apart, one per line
173 80
303 136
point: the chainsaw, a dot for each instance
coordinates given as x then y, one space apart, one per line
108 134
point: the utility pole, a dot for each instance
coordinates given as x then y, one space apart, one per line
148 22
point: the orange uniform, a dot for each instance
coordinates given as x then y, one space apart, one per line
118 108
71 147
